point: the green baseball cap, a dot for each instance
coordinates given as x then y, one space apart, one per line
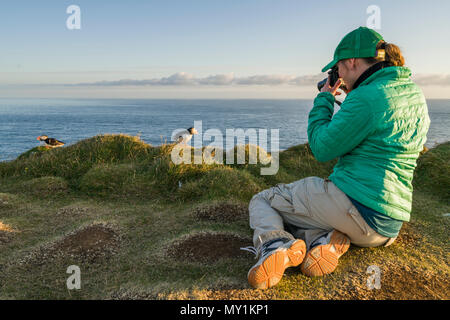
360 43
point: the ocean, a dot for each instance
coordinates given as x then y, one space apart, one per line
71 120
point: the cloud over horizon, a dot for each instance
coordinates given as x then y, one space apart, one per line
432 79
183 78
229 79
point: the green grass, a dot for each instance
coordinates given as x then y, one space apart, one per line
121 181
432 174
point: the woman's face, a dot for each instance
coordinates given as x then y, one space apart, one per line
350 70
345 73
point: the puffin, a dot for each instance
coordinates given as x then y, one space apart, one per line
184 136
50 142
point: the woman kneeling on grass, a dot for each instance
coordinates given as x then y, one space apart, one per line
377 134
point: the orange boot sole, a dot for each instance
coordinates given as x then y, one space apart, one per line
271 270
323 259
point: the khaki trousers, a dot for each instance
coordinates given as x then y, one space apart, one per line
309 209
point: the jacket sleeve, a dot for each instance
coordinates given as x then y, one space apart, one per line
333 136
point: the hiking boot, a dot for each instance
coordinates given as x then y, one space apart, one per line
274 257
323 258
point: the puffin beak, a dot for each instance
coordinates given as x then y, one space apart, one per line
38 138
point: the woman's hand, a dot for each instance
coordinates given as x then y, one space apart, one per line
334 91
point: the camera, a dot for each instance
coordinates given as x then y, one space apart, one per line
334 76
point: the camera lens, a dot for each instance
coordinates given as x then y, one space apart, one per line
334 75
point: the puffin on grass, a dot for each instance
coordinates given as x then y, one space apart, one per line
184 136
50 142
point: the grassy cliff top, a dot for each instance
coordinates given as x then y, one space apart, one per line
139 226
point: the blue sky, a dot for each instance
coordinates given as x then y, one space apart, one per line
272 49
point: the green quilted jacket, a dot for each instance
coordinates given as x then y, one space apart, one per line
377 135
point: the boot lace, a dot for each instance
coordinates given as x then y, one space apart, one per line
265 247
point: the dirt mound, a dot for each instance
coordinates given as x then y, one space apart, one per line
86 244
221 212
86 241
209 247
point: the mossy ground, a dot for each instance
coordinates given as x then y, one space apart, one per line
50 200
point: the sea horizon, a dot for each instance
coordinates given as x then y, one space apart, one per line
154 120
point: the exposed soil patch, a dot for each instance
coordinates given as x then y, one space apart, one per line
89 240
87 244
209 247
221 212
